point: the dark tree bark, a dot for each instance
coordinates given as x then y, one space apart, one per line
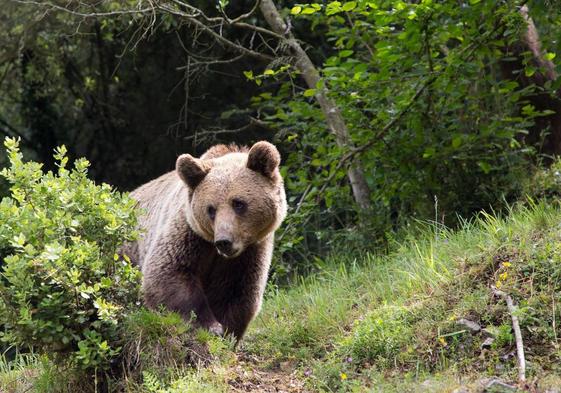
546 133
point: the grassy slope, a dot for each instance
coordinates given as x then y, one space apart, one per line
380 320
390 323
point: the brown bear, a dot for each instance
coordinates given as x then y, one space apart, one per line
207 235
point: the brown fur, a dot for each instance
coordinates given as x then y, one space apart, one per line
181 266
221 150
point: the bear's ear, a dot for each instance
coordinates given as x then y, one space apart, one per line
191 170
264 158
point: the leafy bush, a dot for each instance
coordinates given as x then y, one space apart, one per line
63 288
379 337
545 183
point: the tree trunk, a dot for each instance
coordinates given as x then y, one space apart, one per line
332 113
514 70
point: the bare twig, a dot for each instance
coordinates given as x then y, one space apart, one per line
52 6
241 17
298 206
210 62
190 19
517 333
253 122
186 12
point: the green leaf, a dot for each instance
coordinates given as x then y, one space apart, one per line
429 152
309 92
529 71
550 55
457 142
308 11
346 53
485 167
333 8
249 75
349 6
296 10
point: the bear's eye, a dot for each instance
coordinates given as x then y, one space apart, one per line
239 206
211 210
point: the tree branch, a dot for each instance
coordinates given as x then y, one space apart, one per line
333 116
9 130
243 16
517 333
52 6
190 19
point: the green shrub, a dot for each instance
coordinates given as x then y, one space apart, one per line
545 183
380 337
63 288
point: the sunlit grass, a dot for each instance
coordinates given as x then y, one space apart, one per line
349 310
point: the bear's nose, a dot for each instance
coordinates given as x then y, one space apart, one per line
224 246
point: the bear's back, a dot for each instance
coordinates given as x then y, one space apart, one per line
160 205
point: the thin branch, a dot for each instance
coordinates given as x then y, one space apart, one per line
190 18
517 333
210 62
52 6
298 206
226 42
9 130
253 122
247 14
259 29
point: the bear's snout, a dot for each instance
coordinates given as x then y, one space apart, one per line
225 247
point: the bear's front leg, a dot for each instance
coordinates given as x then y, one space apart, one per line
180 292
237 316
235 288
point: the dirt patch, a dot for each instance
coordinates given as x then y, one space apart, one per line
249 377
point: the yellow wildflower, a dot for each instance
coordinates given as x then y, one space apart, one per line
343 376
507 264
442 341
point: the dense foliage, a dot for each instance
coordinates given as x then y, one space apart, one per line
63 289
448 106
441 131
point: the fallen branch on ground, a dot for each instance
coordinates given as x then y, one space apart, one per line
517 333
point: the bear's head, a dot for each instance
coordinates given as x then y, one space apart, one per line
234 200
